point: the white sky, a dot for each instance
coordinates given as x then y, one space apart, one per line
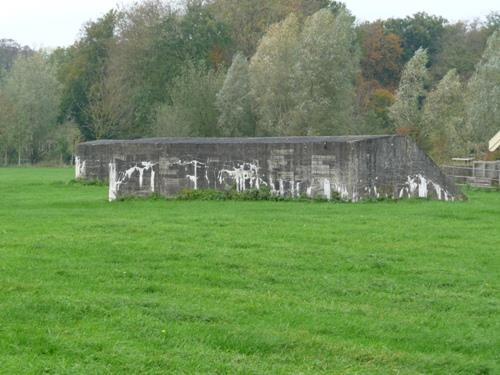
51 23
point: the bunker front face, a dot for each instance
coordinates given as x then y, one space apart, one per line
350 167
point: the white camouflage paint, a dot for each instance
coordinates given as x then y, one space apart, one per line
418 186
152 180
243 173
327 189
194 177
246 175
80 168
116 180
112 182
342 190
282 187
372 191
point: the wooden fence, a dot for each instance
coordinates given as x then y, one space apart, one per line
480 173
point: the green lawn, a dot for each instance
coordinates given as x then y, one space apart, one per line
155 287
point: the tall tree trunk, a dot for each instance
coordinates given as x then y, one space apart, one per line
19 155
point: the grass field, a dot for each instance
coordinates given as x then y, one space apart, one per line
154 287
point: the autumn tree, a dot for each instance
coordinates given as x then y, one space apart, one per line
381 54
234 101
406 110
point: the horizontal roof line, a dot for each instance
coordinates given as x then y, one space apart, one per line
348 138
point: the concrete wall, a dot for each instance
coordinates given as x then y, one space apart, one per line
353 168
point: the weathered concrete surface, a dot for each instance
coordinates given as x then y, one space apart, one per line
354 168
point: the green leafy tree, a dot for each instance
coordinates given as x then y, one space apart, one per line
147 55
9 51
406 110
154 43
8 121
483 94
204 37
461 47
65 137
492 22
249 20
418 31
34 90
375 115
272 77
234 101
444 133
192 111
326 72
82 68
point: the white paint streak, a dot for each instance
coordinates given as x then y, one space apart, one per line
194 177
418 185
152 180
422 188
327 189
246 172
342 190
116 180
80 168
112 182
282 187
206 177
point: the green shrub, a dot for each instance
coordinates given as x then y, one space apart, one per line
87 182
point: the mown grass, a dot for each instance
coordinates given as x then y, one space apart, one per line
232 287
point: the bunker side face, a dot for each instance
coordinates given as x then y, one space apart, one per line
350 168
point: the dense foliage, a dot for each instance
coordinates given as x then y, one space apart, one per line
253 67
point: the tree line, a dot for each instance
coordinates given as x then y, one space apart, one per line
253 68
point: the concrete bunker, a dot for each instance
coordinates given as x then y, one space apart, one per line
350 167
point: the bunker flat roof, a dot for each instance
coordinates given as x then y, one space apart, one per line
316 139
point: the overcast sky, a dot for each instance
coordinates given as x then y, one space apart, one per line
51 23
